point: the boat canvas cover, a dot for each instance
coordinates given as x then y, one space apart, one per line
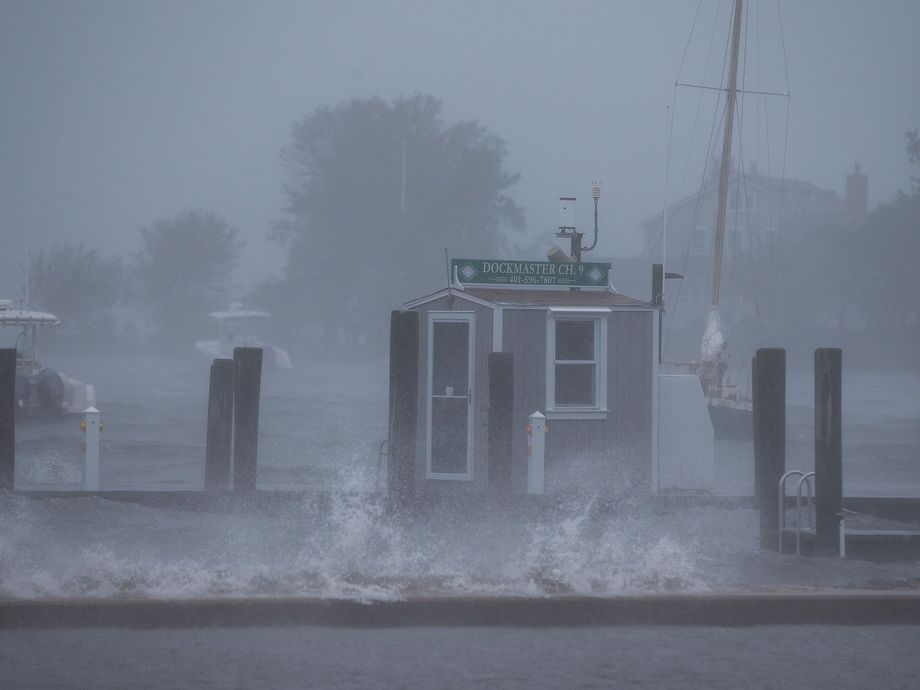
24 317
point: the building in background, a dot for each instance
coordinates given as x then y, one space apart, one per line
766 219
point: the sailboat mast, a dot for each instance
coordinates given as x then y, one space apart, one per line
725 163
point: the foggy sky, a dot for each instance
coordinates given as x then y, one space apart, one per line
116 114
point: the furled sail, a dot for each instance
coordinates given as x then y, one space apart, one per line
713 344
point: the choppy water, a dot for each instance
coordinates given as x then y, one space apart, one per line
321 428
782 657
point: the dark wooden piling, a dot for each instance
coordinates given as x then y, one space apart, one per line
220 426
769 379
501 401
7 418
247 381
658 301
403 420
657 284
828 450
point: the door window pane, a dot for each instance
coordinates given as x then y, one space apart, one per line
450 355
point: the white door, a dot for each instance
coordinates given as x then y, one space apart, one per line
450 395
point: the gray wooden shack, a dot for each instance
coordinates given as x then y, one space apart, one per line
586 359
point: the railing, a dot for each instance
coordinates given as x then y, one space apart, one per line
807 479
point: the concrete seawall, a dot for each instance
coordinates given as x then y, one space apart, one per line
775 608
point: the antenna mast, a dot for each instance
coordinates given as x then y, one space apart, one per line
567 223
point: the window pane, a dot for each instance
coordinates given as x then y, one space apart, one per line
450 352
575 384
448 435
574 340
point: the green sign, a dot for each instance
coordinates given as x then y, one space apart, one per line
529 273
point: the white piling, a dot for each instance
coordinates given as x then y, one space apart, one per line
536 449
91 426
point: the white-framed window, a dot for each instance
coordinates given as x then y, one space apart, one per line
576 363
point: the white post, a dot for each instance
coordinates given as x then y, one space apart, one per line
91 425
843 538
536 447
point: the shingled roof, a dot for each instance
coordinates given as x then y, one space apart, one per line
522 297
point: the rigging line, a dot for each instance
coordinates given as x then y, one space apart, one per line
672 316
739 106
664 207
782 192
667 174
757 80
782 188
739 174
757 51
771 247
719 88
716 121
782 40
689 38
743 181
699 102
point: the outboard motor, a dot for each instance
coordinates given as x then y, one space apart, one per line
51 392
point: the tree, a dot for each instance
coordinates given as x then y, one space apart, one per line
183 271
864 276
376 192
888 251
913 155
77 284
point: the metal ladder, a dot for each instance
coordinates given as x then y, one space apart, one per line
806 479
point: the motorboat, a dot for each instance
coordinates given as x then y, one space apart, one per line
41 391
238 327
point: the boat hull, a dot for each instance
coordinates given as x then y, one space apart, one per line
731 422
216 349
49 394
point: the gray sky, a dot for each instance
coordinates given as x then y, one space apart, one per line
118 113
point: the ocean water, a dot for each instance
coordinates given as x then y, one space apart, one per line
781 657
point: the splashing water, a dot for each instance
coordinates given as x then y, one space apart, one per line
346 546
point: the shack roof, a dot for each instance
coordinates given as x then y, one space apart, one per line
522 297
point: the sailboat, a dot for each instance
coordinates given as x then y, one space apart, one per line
723 293
731 414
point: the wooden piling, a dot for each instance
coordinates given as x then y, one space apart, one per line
658 301
828 450
404 393
7 418
220 426
657 284
247 380
769 379
501 401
